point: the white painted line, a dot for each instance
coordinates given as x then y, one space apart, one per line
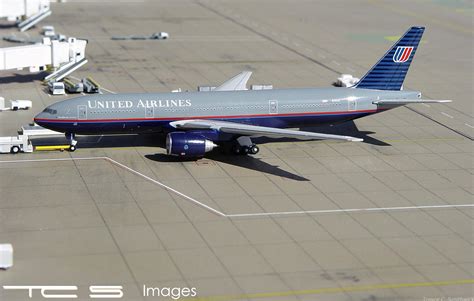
49 160
350 210
426 105
260 214
447 115
107 90
128 169
166 187
472 127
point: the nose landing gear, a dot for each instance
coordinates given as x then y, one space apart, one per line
72 141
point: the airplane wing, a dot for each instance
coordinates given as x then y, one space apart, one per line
255 131
407 101
238 82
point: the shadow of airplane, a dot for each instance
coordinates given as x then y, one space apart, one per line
157 140
23 78
347 128
247 162
7 25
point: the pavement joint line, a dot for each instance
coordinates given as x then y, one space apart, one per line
128 169
333 290
295 51
426 19
440 123
238 215
447 115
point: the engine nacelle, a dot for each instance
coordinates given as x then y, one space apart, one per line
187 144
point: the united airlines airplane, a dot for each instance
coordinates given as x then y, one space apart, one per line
196 122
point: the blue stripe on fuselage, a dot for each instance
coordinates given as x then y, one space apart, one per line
154 125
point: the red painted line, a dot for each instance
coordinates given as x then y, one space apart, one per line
208 117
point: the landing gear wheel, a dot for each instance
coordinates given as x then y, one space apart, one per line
72 148
15 149
236 150
254 149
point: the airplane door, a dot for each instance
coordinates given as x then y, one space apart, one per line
149 112
351 105
273 106
81 112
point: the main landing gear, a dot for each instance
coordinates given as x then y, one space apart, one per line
244 146
72 141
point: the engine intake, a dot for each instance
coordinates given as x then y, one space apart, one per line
187 144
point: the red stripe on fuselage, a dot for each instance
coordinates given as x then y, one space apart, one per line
207 117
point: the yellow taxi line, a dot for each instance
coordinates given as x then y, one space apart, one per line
335 290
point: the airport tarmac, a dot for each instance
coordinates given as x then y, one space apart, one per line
298 221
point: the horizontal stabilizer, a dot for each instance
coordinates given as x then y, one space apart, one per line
408 101
236 83
255 131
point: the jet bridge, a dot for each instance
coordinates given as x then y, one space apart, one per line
27 13
63 57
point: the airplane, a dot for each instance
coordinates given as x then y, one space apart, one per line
230 115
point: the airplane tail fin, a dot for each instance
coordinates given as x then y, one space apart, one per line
389 73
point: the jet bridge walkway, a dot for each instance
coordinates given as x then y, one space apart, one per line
66 70
63 57
33 20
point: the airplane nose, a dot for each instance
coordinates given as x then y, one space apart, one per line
41 117
38 118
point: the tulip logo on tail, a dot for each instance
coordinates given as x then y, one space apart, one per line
402 54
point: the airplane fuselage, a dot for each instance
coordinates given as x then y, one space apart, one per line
153 112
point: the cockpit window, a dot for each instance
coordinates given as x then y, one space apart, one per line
50 111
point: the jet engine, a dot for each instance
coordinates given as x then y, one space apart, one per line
187 144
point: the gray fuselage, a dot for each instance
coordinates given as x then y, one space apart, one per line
152 112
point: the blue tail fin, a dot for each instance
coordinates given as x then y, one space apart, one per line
389 73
